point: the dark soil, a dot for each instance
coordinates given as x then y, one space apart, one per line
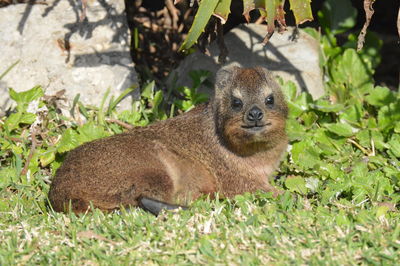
158 28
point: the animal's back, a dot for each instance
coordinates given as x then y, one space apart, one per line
111 172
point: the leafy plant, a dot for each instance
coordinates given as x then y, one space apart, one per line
191 95
13 135
336 16
346 71
271 10
345 150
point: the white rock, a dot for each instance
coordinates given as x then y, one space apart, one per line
99 55
297 61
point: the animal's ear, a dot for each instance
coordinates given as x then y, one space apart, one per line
224 75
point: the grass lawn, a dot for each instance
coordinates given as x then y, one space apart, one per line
250 230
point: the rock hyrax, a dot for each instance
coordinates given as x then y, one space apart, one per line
230 145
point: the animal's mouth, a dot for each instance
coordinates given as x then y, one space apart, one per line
256 127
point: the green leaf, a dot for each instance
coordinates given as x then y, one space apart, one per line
380 96
148 90
17 150
249 5
69 141
330 49
55 165
338 15
129 116
364 137
83 110
206 248
100 114
184 105
13 121
2 75
28 118
304 154
313 33
397 128
371 48
18 162
157 100
378 139
324 142
334 171
114 103
47 157
327 107
26 96
304 100
382 211
360 169
300 105
301 10
222 10
389 116
342 219
199 77
7 175
350 71
295 110
394 144
200 98
289 88
4 204
91 131
271 7
4 145
295 130
340 129
353 114
312 183
296 184
309 118
206 9
371 122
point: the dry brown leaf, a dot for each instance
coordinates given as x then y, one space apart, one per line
398 22
369 11
92 235
391 206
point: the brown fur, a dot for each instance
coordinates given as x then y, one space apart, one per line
177 160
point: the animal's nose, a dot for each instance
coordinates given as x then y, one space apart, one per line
255 114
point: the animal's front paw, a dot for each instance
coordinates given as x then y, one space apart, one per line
155 207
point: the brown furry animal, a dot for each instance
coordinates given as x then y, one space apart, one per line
230 145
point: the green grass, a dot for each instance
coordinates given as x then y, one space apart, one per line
251 230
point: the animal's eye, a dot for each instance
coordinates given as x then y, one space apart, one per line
269 101
236 104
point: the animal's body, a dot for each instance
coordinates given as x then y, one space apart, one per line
230 146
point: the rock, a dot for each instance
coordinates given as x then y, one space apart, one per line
57 51
292 60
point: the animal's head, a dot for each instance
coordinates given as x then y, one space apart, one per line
250 110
